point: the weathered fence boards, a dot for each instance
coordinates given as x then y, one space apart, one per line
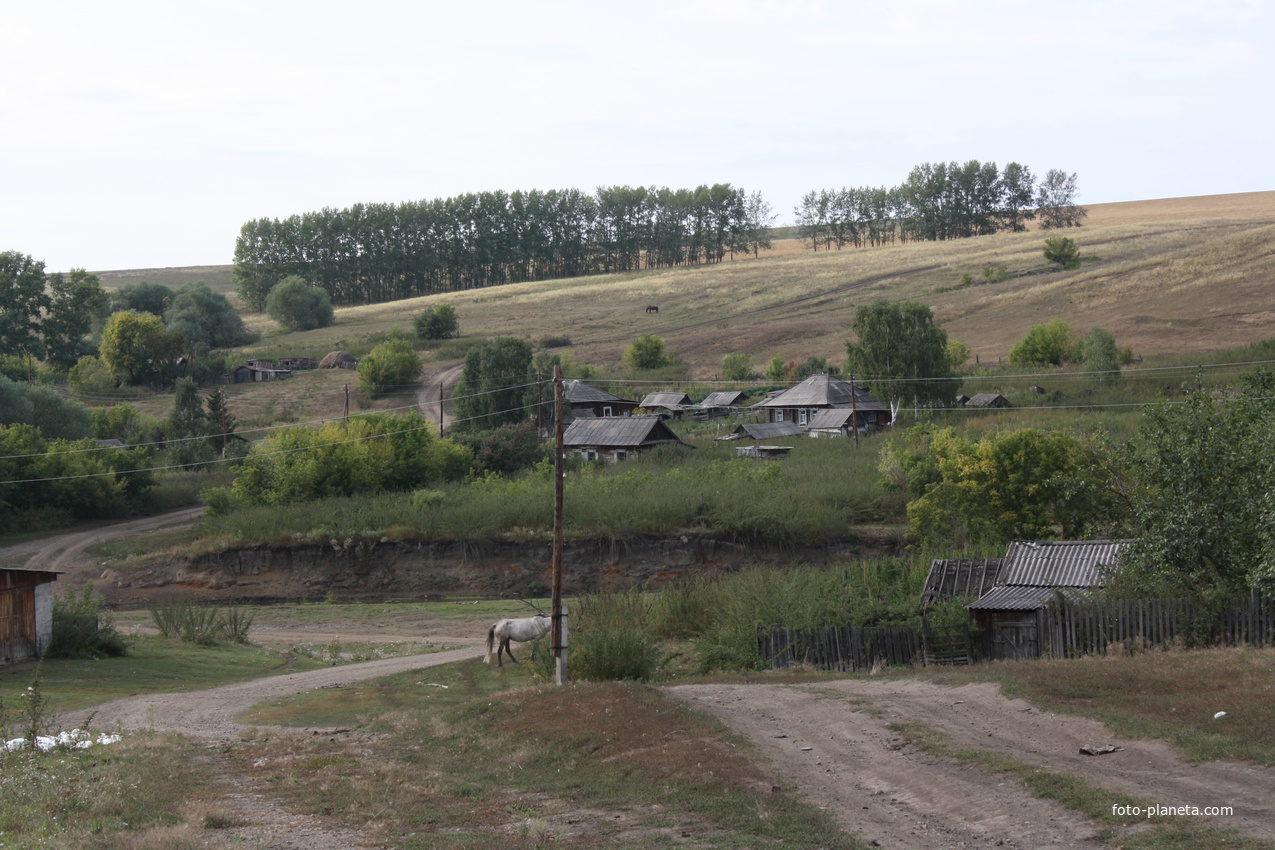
1091 626
845 648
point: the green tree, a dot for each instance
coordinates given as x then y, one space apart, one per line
1046 344
204 318
138 350
775 370
120 421
647 352
1100 354
958 354
186 425
495 386
299 306
90 376
1056 201
1202 477
22 303
903 352
1063 251
142 297
814 365
56 417
437 322
77 304
738 367
1026 484
221 421
390 365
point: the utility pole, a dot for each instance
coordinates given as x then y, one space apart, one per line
559 617
854 411
347 401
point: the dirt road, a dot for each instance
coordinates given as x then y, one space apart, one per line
834 740
432 392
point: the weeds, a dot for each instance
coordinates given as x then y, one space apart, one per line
83 629
201 624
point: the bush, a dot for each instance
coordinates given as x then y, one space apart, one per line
437 322
391 364
1046 344
81 629
299 306
647 352
738 367
611 639
1062 250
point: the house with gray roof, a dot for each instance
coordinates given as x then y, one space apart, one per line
763 431
802 403
667 402
617 438
588 401
987 400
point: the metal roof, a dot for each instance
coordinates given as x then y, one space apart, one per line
824 391
951 577
1014 598
834 417
578 392
666 399
988 400
1064 563
722 399
622 431
768 430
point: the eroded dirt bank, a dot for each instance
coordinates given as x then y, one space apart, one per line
378 570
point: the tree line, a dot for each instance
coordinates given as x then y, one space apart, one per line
939 201
371 253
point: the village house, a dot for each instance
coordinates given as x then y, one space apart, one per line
617 438
763 431
590 402
802 403
26 613
666 403
987 400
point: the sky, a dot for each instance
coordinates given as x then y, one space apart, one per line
145 134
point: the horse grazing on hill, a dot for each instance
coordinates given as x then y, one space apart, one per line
652 309
525 629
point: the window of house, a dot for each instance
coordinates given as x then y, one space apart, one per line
779 415
872 418
802 416
590 455
606 411
621 454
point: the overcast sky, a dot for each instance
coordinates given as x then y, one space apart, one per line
144 134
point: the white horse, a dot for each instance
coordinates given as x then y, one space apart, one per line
525 629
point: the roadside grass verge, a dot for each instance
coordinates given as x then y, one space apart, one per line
143 793
153 665
1168 695
472 756
1081 796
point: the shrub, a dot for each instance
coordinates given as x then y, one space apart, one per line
200 624
299 306
391 364
647 352
738 367
81 629
1046 344
437 322
1062 250
611 639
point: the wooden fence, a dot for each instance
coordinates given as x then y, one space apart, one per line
844 648
1091 626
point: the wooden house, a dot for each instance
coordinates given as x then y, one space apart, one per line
1034 575
591 402
26 613
717 405
803 402
763 431
987 400
666 403
617 438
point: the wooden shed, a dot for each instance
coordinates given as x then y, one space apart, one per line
668 403
988 400
763 431
26 613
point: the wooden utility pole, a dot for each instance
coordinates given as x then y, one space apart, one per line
347 401
854 411
558 617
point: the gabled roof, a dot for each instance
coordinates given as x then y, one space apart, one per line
824 391
1063 563
988 400
619 431
722 399
767 430
666 399
578 392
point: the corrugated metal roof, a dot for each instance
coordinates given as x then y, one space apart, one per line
824 391
666 399
768 430
1007 598
951 577
1064 563
623 431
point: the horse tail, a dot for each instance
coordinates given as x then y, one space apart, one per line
491 638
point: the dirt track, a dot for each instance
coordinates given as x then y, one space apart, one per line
833 740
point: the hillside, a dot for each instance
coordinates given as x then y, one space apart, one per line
1166 277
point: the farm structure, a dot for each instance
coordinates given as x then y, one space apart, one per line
586 401
987 400
718 405
250 373
763 431
616 438
26 613
667 403
1032 577
802 403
